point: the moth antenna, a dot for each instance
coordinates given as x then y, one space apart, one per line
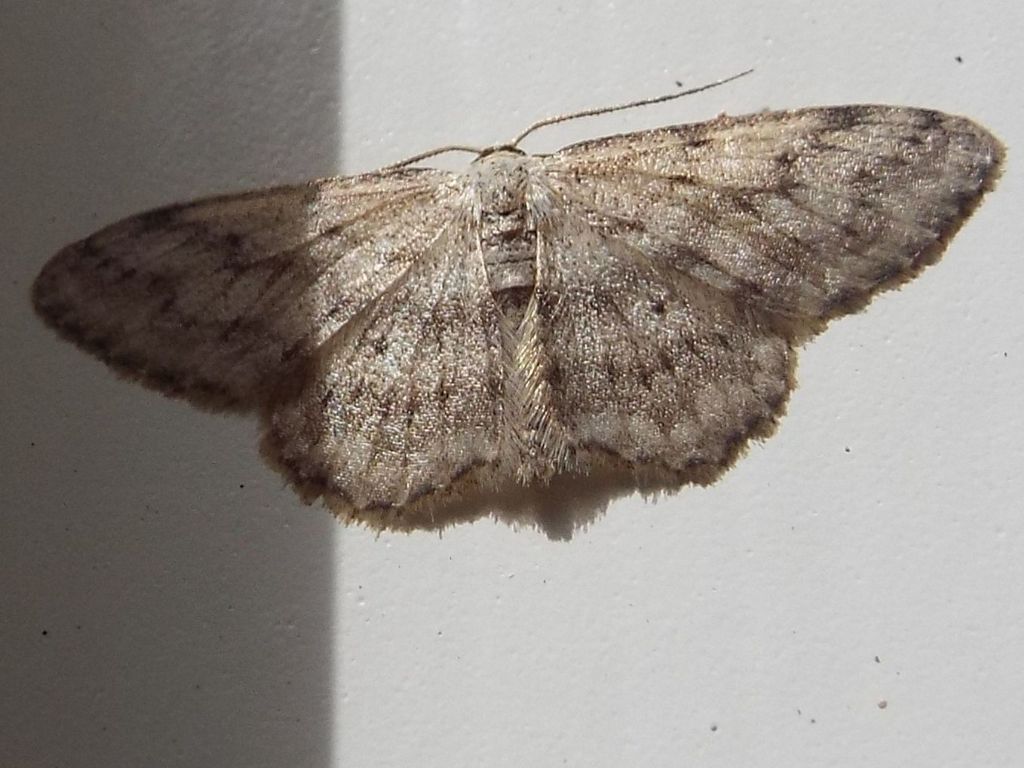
564 118
431 153
629 105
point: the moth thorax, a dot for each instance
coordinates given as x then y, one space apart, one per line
508 237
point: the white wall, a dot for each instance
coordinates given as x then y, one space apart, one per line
166 602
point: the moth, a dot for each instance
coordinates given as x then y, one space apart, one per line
623 312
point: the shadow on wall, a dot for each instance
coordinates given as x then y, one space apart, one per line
193 627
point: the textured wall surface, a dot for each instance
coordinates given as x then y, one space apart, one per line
167 602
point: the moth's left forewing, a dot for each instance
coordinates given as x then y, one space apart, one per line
215 300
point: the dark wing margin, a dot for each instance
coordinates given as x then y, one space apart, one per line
213 300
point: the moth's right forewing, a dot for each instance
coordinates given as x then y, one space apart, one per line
805 213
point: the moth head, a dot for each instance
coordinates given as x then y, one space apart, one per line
499 177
